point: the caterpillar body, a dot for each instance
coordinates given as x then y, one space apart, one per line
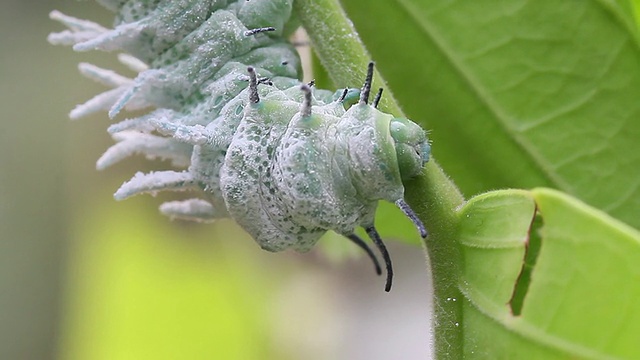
285 160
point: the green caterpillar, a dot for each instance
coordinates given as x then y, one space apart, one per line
285 160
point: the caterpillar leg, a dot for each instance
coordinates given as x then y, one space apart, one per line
406 209
193 210
358 241
154 182
152 146
373 234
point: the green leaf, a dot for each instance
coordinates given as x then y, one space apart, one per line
519 93
581 301
503 290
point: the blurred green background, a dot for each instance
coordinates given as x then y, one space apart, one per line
85 277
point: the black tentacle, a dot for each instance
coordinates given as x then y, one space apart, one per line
253 86
406 209
306 104
252 32
358 241
343 96
366 88
376 99
373 234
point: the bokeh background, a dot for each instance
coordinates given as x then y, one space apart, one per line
85 277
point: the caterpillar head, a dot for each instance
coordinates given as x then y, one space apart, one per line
412 146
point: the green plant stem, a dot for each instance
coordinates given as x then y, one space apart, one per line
435 198
433 195
338 46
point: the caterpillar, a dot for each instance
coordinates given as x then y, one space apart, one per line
285 160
